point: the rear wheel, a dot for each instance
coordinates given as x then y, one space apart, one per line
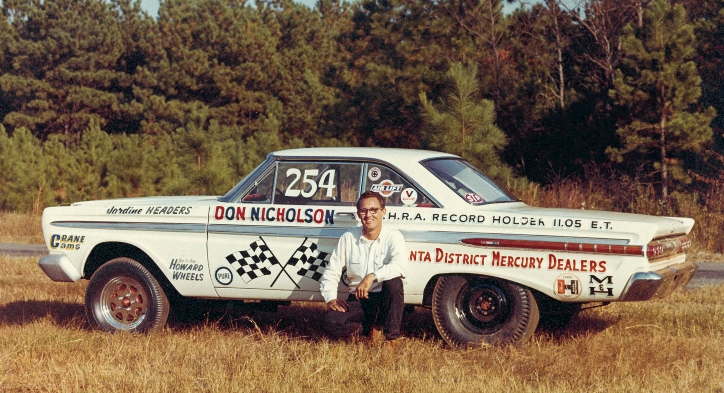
473 310
124 295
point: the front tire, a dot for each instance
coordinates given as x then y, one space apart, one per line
124 295
473 310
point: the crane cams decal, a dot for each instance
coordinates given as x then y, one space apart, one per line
567 286
66 242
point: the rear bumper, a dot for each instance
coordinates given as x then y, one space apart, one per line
658 284
59 268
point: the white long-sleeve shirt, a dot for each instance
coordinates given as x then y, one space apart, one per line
385 256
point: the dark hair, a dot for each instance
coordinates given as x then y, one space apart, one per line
371 194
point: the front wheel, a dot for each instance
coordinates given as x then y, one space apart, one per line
124 295
472 310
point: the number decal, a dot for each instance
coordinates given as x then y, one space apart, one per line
473 198
291 192
326 181
309 176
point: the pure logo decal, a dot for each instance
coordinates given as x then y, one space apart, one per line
224 276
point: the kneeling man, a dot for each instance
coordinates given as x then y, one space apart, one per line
376 262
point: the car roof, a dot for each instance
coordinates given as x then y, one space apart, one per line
394 156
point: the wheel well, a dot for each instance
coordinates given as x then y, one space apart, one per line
430 287
105 252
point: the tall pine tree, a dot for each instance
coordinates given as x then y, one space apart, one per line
658 87
466 124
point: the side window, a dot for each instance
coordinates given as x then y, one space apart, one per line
332 183
262 191
394 188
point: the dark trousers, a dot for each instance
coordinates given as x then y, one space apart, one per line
381 310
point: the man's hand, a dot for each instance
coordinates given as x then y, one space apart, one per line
337 305
363 289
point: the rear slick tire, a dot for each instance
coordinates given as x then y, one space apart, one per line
472 311
124 296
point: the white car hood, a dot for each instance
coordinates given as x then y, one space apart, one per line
147 201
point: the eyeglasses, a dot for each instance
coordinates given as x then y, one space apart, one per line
372 210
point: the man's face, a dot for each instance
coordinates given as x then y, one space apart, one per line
371 221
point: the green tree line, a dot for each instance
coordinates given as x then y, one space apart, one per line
100 100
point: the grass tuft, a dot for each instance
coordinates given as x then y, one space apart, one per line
21 228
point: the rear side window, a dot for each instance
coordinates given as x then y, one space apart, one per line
393 187
469 183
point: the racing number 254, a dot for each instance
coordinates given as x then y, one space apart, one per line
326 181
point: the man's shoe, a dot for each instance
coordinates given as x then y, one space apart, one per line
376 334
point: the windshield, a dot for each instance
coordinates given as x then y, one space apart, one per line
467 181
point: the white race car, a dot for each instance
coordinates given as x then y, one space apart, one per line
488 265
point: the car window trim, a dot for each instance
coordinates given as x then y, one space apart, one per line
365 161
242 188
273 161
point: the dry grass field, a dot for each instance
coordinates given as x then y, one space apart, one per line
20 228
671 345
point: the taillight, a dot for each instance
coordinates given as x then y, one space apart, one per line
662 247
655 249
557 246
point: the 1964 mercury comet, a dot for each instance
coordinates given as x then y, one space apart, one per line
489 266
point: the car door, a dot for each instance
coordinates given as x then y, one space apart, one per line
274 242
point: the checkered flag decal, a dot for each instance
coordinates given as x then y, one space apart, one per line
254 262
312 260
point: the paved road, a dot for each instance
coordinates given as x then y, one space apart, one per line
23 250
709 273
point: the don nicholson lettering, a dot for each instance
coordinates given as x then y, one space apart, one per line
186 269
274 214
